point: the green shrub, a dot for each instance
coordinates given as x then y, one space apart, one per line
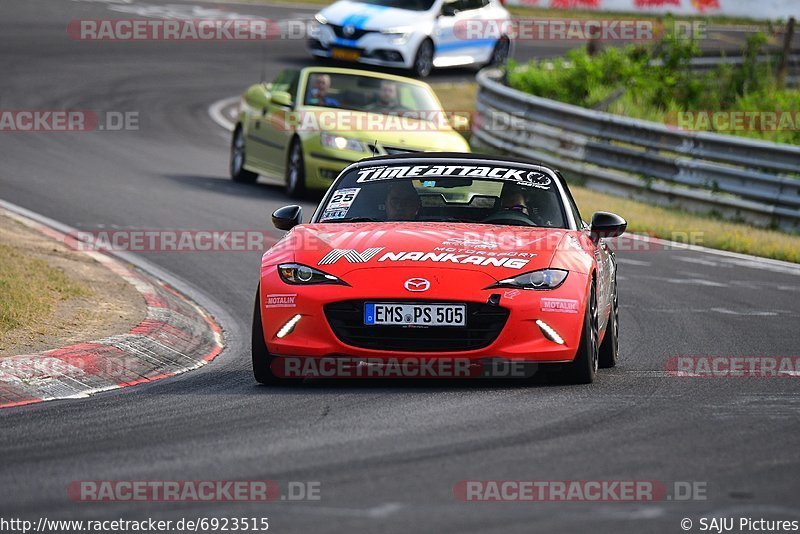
659 92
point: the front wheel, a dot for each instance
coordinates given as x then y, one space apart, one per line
295 171
500 52
609 348
238 158
262 359
583 369
423 61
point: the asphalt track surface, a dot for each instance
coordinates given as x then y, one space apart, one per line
387 455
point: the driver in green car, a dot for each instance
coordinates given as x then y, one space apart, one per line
387 101
320 86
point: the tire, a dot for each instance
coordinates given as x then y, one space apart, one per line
583 370
238 158
608 353
423 59
262 359
500 53
295 171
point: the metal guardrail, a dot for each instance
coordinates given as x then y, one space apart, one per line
707 63
735 177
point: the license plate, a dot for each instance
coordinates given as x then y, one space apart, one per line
345 54
415 314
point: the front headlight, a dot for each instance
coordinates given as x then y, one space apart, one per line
316 24
398 35
340 142
299 274
542 279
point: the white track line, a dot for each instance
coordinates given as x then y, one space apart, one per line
216 114
761 263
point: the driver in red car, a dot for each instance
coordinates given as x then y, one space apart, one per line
402 202
514 201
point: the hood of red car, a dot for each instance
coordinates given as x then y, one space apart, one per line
499 251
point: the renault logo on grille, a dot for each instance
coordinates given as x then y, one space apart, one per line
417 284
349 30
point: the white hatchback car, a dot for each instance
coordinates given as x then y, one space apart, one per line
412 34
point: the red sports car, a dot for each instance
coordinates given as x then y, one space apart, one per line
440 256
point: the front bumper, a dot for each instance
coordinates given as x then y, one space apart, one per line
373 48
521 339
323 165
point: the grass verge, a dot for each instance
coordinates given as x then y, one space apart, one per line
666 223
30 289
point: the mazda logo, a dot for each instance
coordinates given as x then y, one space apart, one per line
417 284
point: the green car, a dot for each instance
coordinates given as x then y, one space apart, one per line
307 125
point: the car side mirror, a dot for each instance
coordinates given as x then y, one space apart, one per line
281 98
287 217
256 96
606 224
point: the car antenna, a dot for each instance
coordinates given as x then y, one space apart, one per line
374 147
264 60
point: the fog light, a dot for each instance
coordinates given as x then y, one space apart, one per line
549 333
327 174
288 327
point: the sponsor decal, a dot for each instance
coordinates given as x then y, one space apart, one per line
512 293
341 202
520 176
281 300
559 305
511 260
473 243
352 256
449 257
492 253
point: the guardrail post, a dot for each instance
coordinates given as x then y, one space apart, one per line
787 50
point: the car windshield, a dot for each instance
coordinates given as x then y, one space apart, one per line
367 93
413 5
442 192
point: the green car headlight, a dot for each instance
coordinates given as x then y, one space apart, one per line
340 142
541 279
299 274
